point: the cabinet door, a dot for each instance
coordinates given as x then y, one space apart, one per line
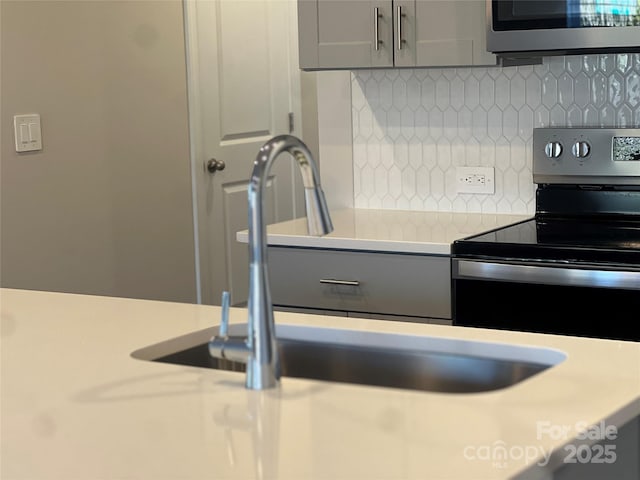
450 33
335 34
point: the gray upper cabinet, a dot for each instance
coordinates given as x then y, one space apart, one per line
335 34
350 34
450 33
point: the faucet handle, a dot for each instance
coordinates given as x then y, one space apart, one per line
224 321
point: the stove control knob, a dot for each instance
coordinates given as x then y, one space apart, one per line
581 149
553 149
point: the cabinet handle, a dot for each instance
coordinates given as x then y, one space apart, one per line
399 26
376 36
332 281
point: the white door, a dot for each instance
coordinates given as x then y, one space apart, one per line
243 84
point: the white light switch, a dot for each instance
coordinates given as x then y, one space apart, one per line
27 132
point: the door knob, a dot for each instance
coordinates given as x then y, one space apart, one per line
214 165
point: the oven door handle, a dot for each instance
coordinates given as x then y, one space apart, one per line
550 275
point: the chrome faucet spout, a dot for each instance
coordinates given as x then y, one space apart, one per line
260 349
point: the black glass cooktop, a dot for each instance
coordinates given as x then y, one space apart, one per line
544 237
572 224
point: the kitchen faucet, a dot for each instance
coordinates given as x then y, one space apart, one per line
259 350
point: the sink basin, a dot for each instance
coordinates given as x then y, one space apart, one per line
379 359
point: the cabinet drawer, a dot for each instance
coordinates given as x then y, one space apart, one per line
396 284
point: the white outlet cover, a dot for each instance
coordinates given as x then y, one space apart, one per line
475 180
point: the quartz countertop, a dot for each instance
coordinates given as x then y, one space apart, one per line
399 231
77 405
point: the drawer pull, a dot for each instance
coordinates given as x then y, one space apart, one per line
331 281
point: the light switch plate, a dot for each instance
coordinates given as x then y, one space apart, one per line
28 133
475 180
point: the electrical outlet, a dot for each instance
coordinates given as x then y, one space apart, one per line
475 180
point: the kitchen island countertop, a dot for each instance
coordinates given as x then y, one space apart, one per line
77 405
400 231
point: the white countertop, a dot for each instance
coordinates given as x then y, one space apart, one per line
76 405
388 230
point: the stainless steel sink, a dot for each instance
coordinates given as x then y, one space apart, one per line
385 360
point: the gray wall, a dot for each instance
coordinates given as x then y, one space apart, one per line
105 207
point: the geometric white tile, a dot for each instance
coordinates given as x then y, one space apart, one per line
413 127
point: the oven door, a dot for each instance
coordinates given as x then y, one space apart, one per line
593 301
562 26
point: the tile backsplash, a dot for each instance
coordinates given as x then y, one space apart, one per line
412 127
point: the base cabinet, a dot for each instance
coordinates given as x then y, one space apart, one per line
361 284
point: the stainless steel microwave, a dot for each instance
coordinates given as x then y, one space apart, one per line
517 28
